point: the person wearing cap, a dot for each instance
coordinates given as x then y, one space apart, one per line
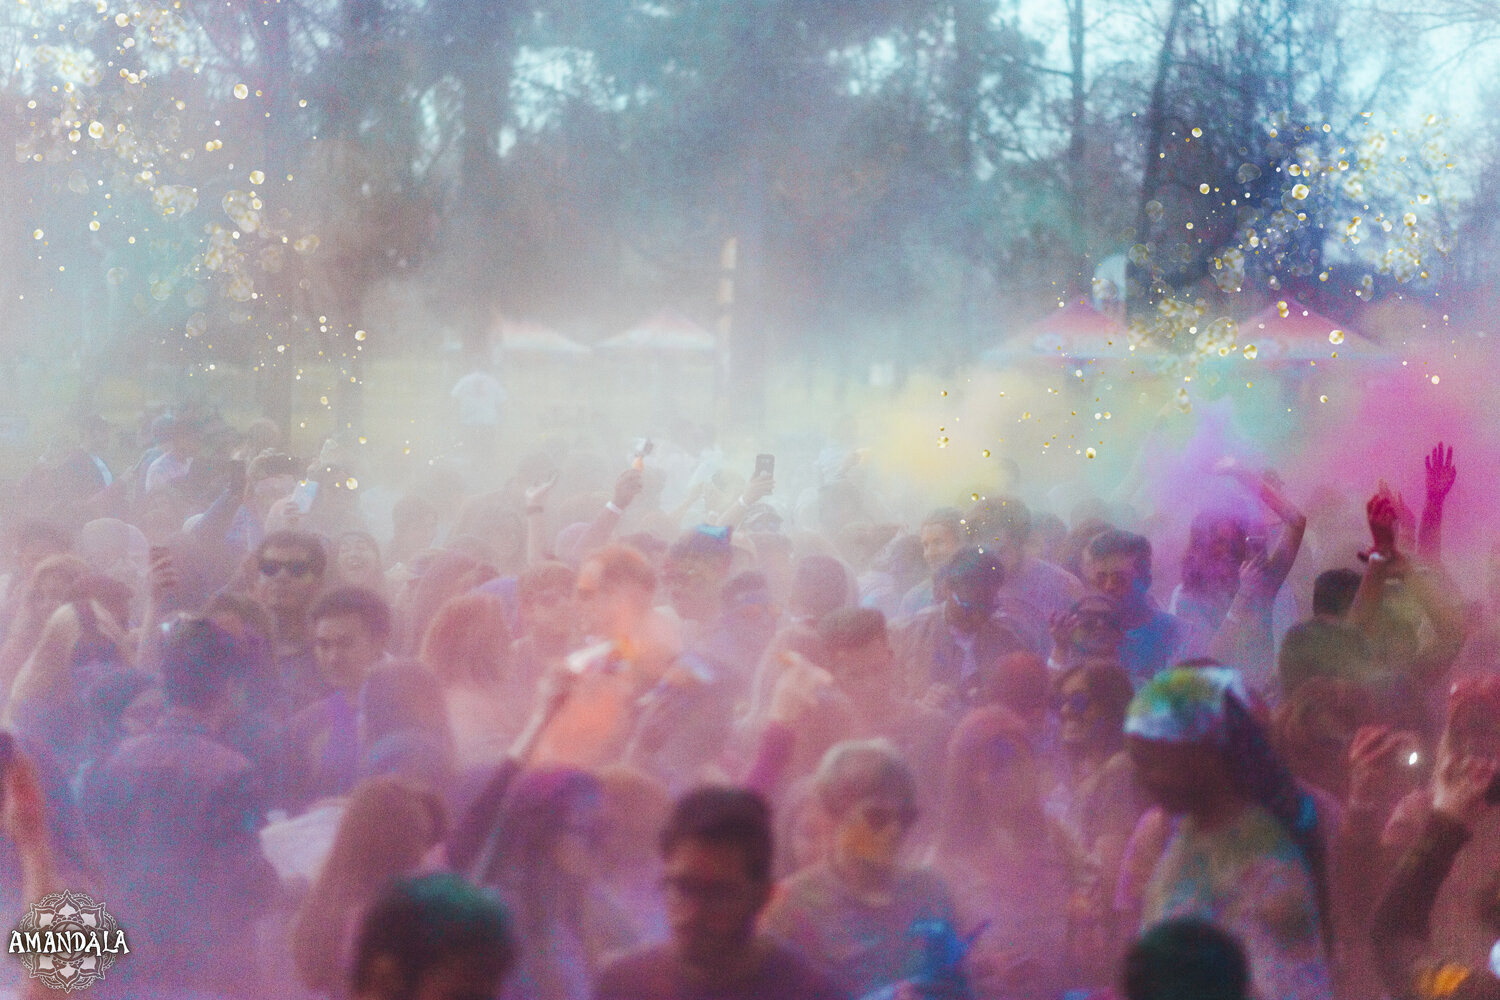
1248 849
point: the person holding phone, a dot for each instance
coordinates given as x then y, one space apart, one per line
1447 913
761 485
1463 799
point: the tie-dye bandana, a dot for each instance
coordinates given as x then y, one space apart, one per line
1185 705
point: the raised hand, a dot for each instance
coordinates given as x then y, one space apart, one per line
1461 783
1384 765
1441 472
1380 514
537 492
628 487
757 489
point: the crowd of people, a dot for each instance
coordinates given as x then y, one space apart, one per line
658 731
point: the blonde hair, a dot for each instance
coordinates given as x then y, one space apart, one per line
387 828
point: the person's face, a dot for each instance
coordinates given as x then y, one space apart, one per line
607 612
1177 775
345 650
418 530
692 586
550 611
245 634
712 901
1006 779
272 488
1224 550
285 582
865 672
872 831
357 558
1078 712
1010 551
971 601
1098 633
458 977
1117 577
939 542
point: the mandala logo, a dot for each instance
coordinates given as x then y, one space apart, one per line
68 941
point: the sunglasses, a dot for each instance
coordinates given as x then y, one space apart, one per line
296 567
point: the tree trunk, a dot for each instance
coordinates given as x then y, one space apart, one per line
1156 128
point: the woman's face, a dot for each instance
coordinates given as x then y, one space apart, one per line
1005 779
872 831
1078 712
357 558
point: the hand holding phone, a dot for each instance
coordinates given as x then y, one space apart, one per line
304 495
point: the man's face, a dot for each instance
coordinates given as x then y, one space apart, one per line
607 612
550 611
971 600
865 672
272 488
1098 632
939 542
692 585
458 977
284 581
357 557
1117 577
345 650
712 901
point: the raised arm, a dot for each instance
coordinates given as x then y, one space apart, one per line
1269 489
1380 514
1441 474
756 490
25 823
537 548
603 526
1401 922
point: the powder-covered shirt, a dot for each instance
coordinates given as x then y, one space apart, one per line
862 946
1250 879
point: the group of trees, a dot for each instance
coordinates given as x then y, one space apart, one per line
898 175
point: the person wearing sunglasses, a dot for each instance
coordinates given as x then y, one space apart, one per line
1096 797
286 573
852 913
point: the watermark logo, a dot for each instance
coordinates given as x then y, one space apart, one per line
68 941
